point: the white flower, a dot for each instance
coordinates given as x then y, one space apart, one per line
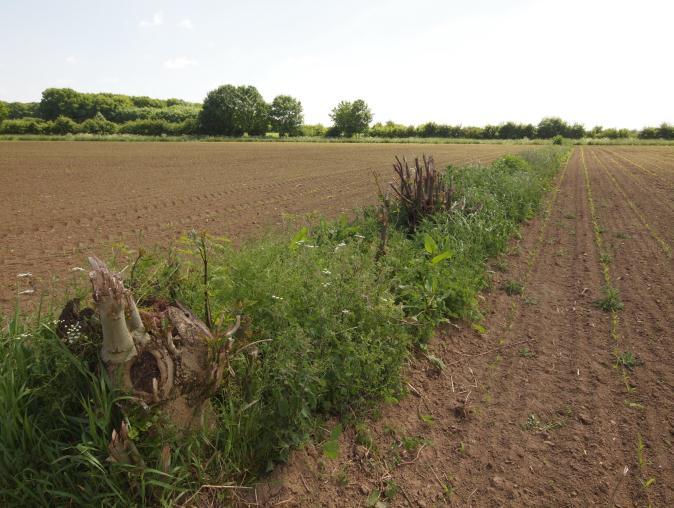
24 275
277 297
359 236
326 272
326 284
339 246
346 311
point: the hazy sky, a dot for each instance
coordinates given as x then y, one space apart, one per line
460 62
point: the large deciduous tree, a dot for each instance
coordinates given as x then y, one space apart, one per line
233 111
351 118
285 115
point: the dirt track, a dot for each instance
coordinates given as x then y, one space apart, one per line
60 201
536 411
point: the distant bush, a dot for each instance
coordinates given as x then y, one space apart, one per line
313 130
557 140
392 130
146 127
65 125
4 111
25 126
98 125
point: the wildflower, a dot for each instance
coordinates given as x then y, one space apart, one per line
277 297
359 236
346 311
339 246
326 284
24 275
326 272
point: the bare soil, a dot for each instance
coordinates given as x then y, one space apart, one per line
61 201
536 410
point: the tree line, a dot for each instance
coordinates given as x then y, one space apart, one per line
234 111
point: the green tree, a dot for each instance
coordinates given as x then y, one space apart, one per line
285 115
234 110
4 111
550 127
351 118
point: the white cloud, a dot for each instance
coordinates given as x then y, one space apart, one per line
180 62
71 60
156 20
186 24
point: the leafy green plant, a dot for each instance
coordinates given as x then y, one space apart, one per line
610 302
513 287
627 359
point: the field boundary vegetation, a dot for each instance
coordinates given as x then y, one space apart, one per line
234 111
330 312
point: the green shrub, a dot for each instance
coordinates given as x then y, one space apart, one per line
147 128
25 126
64 125
557 140
317 130
98 125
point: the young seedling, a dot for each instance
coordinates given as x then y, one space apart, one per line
605 259
525 352
627 359
513 288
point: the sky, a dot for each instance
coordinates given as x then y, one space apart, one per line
475 62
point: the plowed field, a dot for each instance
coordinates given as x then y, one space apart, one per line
557 402
61 201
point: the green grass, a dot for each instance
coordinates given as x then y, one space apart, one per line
333 326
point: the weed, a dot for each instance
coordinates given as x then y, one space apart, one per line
512 288
373 498
605 258
622 235
391 489
610 302
627 359
525 352
342 478
530 300
570 216
500 265
533 423
363 436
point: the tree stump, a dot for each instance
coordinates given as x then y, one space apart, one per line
164 356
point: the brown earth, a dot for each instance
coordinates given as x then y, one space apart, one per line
61 201
536 410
